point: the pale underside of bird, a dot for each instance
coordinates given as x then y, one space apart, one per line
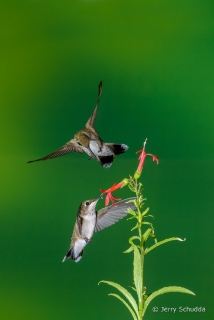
89 221
87 140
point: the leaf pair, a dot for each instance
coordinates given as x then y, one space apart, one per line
137 275
132 306
138 310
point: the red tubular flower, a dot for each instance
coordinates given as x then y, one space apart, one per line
142 159
109 196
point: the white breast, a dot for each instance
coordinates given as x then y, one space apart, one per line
88 227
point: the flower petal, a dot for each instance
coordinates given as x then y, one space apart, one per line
154 158
107 200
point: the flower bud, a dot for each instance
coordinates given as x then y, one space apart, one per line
125 182
137 174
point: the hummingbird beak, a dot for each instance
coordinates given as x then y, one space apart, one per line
95 200
99 197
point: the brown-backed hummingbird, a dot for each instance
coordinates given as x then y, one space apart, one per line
89 221
89 141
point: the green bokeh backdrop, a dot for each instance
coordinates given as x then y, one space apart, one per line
156 62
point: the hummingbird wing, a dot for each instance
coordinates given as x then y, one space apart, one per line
71 146
91 120
111 214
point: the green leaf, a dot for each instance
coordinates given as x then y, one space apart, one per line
127 294
165 290
149 223
131 218
149 215
130 211
132 200
133 238
131 188
162 242
126 304
135 203
135 227
153 236
145 212
138 273
130 185
146 234
129 250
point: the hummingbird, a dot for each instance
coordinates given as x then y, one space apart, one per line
88 140
89 221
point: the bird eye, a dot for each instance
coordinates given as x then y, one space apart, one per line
79 143
87 203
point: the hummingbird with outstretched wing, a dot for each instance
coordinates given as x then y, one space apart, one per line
89 221
88 140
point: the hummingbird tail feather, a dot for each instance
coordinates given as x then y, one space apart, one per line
67 256
106 161
117 148
76 256
76 259
71 255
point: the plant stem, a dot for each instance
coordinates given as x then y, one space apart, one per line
138 194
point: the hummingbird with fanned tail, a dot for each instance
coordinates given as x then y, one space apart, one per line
88 140
89 221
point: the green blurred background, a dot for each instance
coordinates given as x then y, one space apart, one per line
157 65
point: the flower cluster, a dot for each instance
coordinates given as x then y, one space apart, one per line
108 192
